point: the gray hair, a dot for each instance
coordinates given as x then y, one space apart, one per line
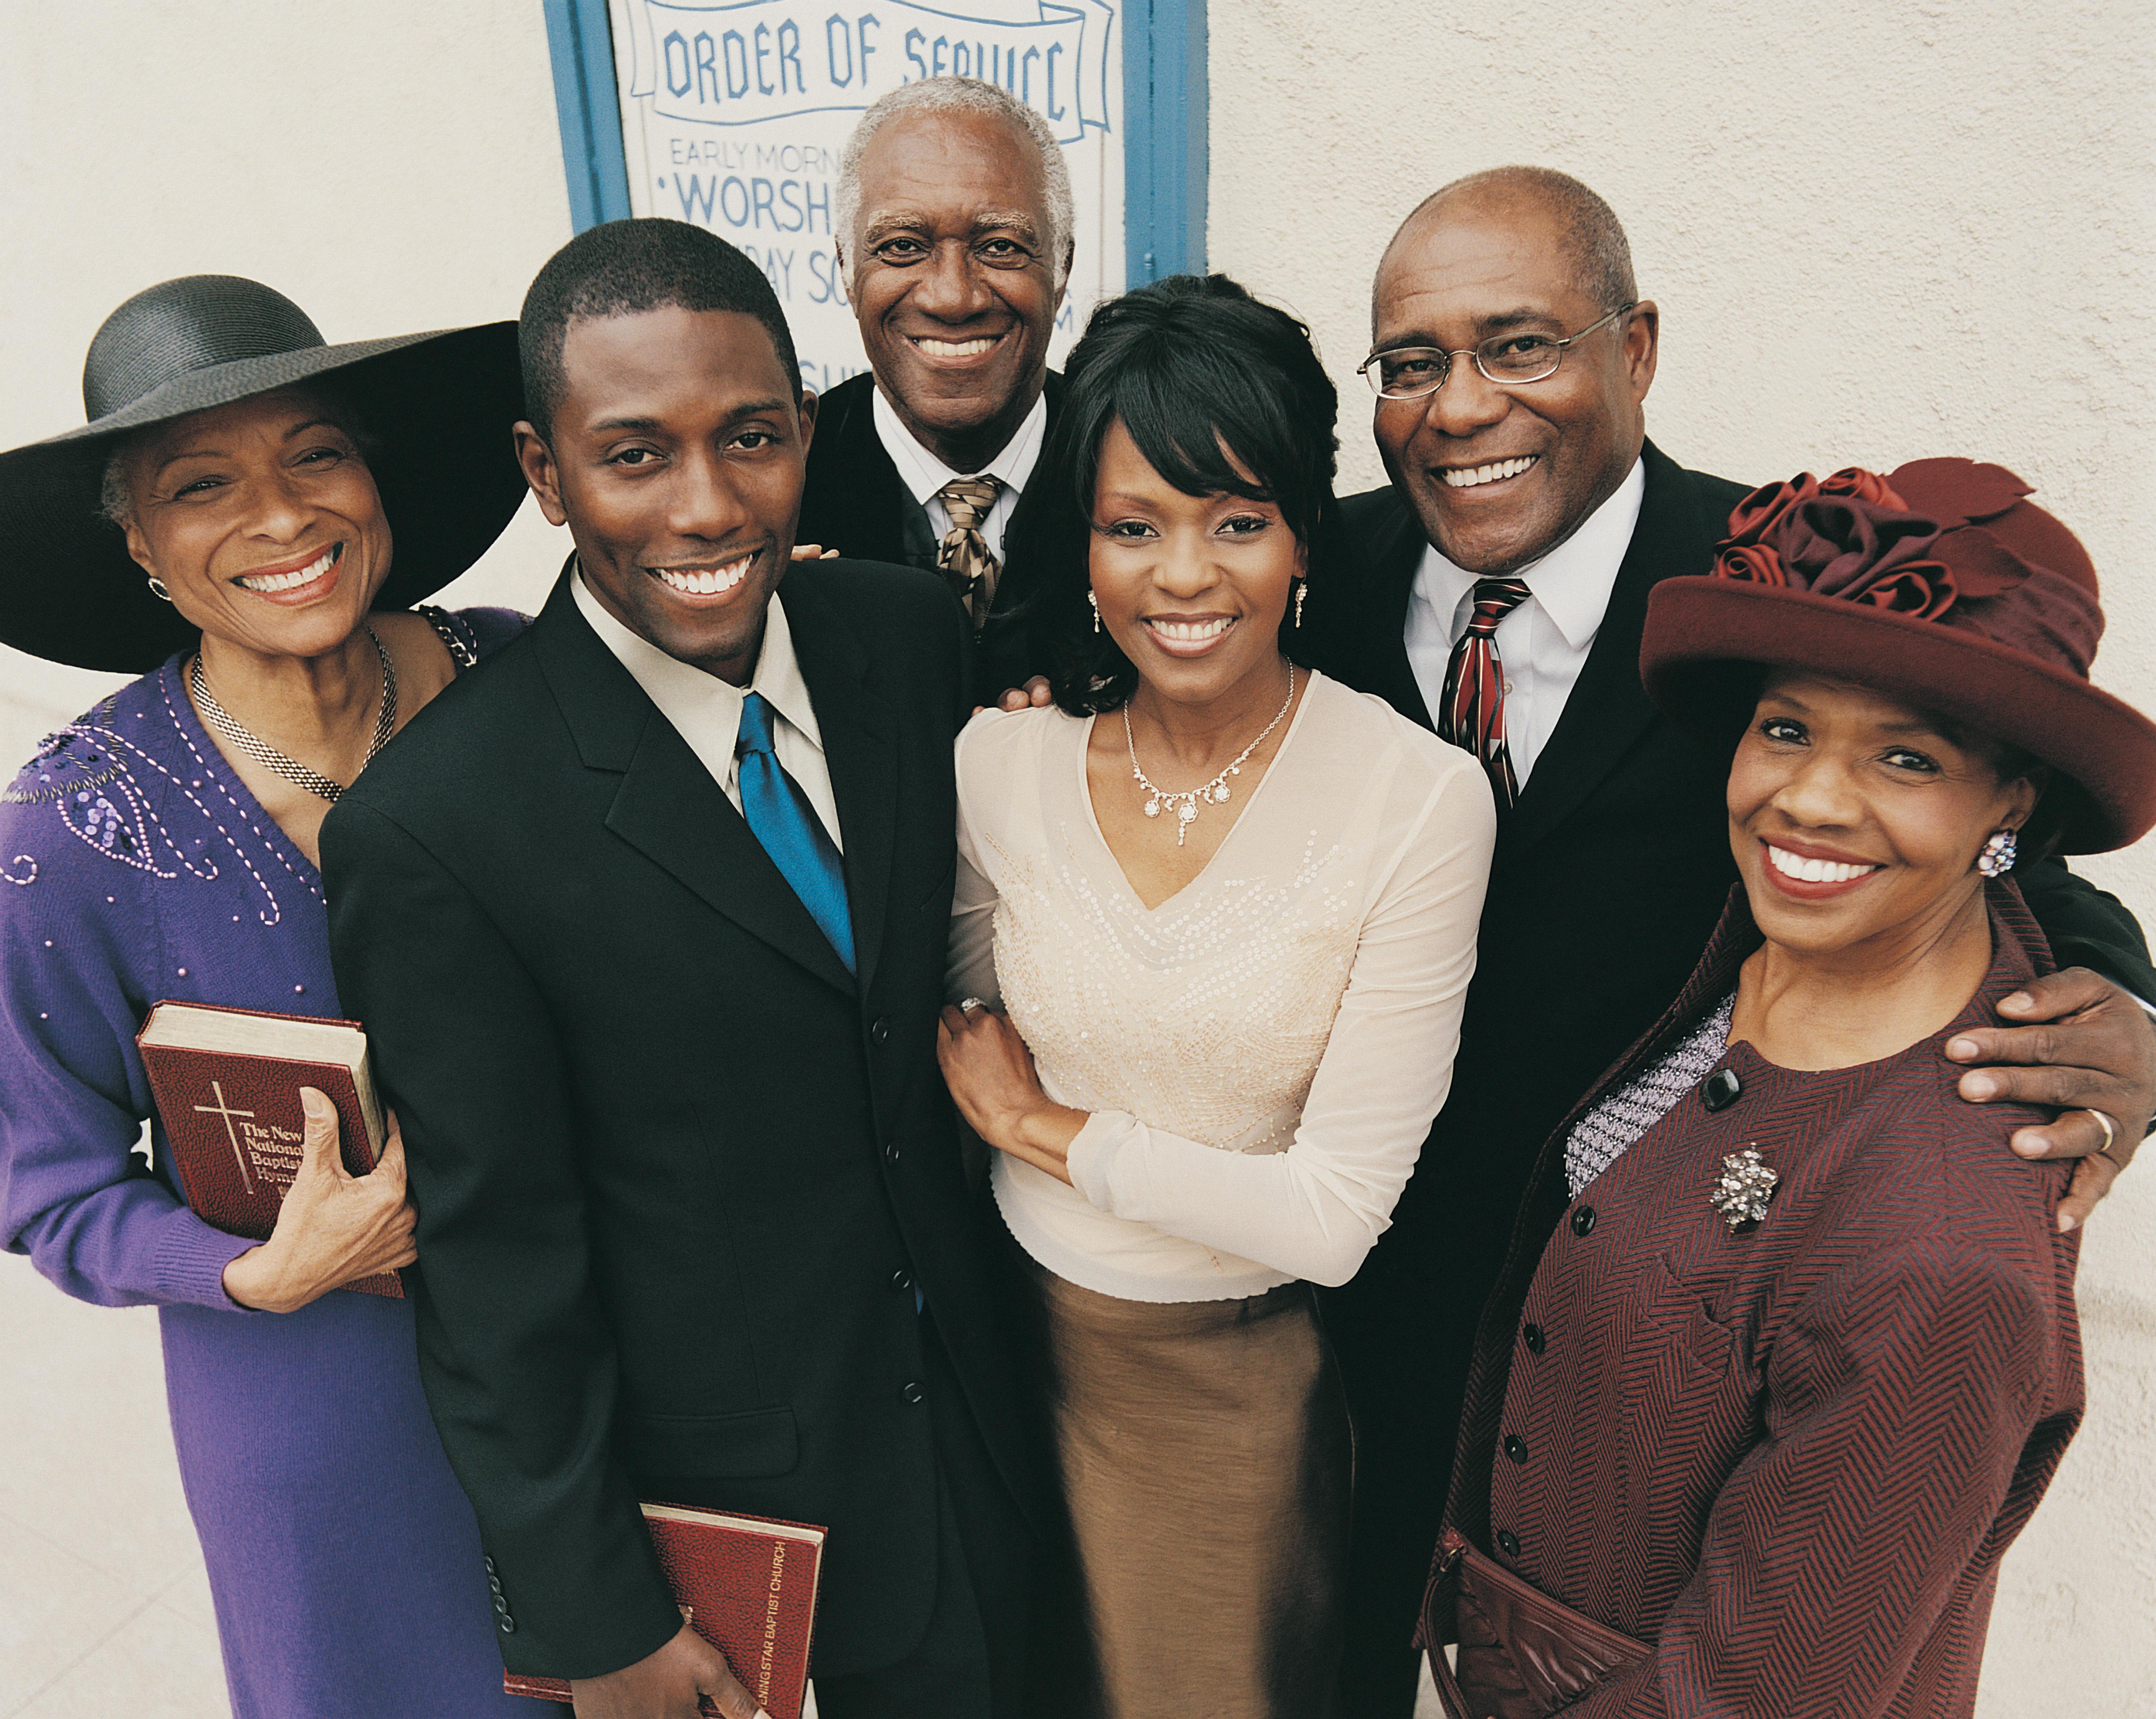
1601 253
962 95
114 503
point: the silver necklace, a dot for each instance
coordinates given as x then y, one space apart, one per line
1186 802
291 768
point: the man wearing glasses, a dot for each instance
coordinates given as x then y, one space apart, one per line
1497 594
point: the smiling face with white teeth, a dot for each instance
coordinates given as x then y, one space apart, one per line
1499 476
262 521
677 456
952 283
1191 587
1856 821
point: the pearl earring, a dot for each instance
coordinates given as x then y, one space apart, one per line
1996 858
1301 591
1096 601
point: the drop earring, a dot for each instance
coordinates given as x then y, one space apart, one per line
1996 857
1096 601
158 589
1301 591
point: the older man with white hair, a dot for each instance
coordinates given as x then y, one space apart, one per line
953 229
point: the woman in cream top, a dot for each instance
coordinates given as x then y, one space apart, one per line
1261 1054
1214 926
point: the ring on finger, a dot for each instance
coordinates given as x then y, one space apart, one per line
967 1005
2110 1135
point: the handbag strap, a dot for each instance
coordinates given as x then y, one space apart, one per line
1439 1602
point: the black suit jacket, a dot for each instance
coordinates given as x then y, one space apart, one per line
1608 879
676 1171
856 504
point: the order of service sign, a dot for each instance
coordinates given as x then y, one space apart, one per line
733 117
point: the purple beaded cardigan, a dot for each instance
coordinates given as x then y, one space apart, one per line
134 866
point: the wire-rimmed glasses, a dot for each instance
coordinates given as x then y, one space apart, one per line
1523 355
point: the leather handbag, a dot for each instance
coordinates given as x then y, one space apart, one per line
1522 1655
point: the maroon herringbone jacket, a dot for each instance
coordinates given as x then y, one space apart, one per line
1790 1455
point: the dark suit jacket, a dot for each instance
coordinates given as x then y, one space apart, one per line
1608 877
1878 1379
856 504
676 1171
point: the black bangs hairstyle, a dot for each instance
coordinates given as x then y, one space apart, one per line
1194 367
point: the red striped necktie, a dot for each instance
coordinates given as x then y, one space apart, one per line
1472 713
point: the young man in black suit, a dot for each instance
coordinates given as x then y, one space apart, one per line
647 923
953 227
1536 515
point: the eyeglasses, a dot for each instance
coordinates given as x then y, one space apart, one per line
1409 373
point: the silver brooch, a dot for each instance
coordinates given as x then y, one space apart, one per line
1746 1185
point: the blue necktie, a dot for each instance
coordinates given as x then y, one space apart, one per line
779 816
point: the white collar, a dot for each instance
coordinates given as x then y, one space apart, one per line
923 474
1572 583
676 686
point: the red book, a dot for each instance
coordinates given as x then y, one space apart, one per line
748 1585
227 1085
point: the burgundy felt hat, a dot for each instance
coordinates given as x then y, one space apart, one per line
1939 583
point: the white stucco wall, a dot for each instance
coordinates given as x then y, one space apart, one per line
1874 233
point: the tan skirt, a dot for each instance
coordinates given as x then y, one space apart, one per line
1205 1459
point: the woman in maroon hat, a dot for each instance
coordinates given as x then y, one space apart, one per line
1785 1351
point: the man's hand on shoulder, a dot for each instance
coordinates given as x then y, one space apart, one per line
2084 1047
686 1678
1032 695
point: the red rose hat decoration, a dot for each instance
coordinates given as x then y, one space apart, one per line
1940 583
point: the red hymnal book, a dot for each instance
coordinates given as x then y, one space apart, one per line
226 1084
748 1585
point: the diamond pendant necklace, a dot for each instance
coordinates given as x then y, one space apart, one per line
268 756
1186 802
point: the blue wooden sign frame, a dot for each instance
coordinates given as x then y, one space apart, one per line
1164 128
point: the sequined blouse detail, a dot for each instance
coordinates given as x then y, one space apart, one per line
1598 1139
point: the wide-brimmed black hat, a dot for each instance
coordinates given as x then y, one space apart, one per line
437 409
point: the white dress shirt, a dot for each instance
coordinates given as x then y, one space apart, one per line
706 711
1543 643
923 474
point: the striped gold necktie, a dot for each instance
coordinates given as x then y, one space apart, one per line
964 557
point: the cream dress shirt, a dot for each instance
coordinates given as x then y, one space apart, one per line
705 710
1262 1053
923 474
1543 643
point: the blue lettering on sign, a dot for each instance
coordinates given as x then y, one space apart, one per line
691 69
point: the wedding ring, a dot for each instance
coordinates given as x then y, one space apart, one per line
2110 1135
967 1005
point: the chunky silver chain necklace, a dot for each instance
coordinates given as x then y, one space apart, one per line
1186 804
268 756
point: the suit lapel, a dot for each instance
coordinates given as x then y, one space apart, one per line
858 752
668 807
1396 553
1608 709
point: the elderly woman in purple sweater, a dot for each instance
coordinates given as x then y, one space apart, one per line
226 515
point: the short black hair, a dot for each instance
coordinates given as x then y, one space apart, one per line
1195 369
623 269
